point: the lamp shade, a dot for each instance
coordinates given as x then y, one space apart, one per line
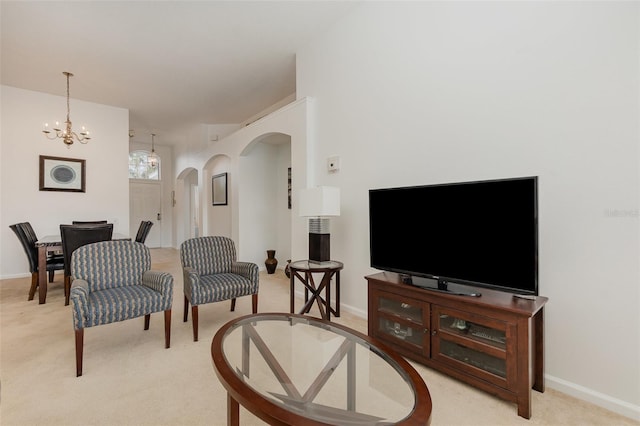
320 201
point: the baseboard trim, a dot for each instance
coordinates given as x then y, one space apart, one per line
11 276
605 401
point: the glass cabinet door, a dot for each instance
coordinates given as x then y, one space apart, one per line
413 312
477 343
401 331
404 322
472 330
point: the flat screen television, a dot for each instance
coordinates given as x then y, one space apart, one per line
481 234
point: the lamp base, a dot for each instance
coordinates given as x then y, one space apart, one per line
319 247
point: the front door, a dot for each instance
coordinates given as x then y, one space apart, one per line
145 203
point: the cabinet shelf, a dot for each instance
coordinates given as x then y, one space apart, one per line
493 342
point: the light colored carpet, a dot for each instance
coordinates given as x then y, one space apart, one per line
130 379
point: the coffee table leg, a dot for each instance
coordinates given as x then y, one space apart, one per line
351 378
233 411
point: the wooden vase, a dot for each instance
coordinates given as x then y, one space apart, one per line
271 261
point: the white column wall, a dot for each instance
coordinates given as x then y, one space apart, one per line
427 92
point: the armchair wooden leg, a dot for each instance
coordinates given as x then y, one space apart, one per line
67 289
186 309
34 285
51 276
167 328
233 304
79 346
194 319
254 303
146 321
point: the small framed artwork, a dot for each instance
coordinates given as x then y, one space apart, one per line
219 190
62 174
289 188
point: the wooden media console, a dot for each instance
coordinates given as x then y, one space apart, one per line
493 342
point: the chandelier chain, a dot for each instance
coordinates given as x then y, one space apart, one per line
67 135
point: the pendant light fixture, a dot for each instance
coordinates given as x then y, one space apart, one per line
67 135
153 158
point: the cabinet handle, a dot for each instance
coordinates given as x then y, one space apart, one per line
433 333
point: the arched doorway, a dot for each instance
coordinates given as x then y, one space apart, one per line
263 191
187 199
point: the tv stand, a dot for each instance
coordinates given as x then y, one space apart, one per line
433 284
494 342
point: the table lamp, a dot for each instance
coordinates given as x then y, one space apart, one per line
318 204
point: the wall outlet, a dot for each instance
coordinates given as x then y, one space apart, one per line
333 164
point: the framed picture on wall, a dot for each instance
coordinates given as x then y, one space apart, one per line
219 190
289 187
62 174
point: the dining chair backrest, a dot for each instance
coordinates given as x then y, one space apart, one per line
28 239
143 231
74 236
89 222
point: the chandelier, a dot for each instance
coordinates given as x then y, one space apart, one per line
67 135
153 158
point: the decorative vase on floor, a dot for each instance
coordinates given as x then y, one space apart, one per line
271 261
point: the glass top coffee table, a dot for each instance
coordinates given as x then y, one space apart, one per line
290 369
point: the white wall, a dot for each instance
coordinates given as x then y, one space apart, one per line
282 213
257 204
427 92
217 219
22 142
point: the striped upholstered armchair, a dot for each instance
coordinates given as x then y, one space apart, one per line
212 274
112 282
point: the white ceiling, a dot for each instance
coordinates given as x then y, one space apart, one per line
171 63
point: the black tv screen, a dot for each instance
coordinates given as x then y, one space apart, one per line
482 233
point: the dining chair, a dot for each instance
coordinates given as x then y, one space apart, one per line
75 236
89 222
212 274
27 236
143 231
113 281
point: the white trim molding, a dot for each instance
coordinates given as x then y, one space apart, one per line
624 408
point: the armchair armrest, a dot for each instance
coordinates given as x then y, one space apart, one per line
79 297
162 282
190 279
248 270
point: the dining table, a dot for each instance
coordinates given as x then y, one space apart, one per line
53 244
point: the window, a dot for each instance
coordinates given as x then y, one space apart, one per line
139 167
